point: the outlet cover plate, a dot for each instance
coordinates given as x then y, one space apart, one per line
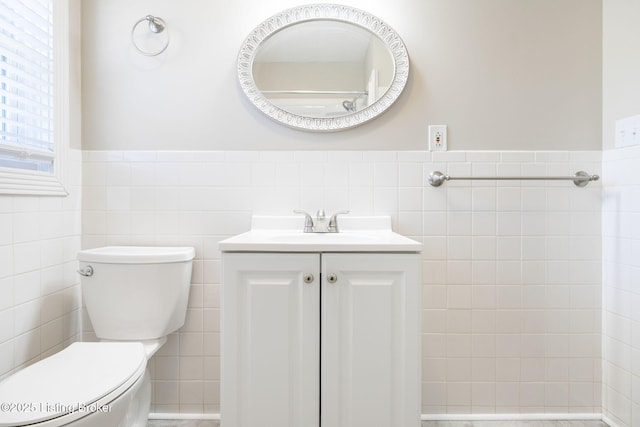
627 132
438 138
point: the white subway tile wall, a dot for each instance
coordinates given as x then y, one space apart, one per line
512 269
40 302
621 287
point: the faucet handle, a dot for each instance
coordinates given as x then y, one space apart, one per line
333 221
308 221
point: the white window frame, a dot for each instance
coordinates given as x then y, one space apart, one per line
17 181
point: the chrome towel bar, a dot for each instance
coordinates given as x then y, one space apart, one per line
580 179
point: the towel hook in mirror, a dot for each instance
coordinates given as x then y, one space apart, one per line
156 26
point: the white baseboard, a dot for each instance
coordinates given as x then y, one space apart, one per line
430 417
510 417
171 416
610 422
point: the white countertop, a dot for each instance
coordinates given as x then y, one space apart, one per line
284 234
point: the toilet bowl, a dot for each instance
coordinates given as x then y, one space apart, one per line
88 384
135 297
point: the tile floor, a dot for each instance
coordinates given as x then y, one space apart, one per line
195 423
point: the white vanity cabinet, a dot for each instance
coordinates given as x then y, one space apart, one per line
321 339
270 346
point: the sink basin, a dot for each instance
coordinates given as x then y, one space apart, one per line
346 237
284 234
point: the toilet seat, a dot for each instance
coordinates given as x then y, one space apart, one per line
73 383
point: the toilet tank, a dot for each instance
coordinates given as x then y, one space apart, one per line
135 292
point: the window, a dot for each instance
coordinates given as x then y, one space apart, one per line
32 138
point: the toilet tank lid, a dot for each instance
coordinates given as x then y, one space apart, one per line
137 254
85 373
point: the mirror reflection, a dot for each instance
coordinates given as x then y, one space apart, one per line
323 68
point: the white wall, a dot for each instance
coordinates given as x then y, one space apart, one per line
39 289
621 288
620 65
621 282
512 271
40 301
511 282
503 74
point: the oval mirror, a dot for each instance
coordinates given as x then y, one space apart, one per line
323 67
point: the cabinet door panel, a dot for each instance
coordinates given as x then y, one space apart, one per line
270 344
370 363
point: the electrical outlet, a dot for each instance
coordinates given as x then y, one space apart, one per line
627 132
438 138
634 128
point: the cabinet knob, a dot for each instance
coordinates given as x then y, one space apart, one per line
307 277
332 278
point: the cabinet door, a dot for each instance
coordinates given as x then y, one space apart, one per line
270 340
370 363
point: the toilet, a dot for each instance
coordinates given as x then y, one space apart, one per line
135 296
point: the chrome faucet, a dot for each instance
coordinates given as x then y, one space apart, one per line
333 222
320 225
308 221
